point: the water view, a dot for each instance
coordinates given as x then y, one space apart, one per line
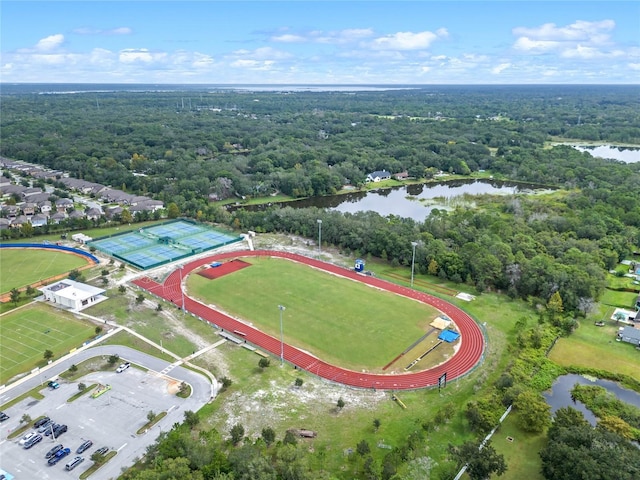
410 201
560 394
624 154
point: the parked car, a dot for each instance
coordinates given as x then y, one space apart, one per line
32 441
86 445
40 422
74 463
60 454
54 450
60 430
26 438
3 417
53 385
45 426
51 428
102 450
123 367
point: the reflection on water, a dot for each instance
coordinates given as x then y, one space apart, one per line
409 201
624 154
560 394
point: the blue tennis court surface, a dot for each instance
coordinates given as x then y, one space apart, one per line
156 245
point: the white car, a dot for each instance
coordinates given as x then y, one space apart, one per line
123 367
26 438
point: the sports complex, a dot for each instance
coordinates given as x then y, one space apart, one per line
468 354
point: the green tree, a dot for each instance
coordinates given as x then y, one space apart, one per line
151 416
290 438
191 419
98 330
122 289
363 448
533 413
73 368
140 298
172 210
113 359
15 296
26 418
268 435
48 355
82 387
299 382
125 216
376 424
340 404
264 363
237 433
481 463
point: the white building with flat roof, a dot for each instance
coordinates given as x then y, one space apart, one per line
73 295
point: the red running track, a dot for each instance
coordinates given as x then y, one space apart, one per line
466 358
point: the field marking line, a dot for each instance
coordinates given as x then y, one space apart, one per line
60 406
122 446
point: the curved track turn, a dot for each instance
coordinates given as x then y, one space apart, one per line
468 355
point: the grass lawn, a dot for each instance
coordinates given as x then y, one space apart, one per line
21 267
27 332
619 299
520 454
595 347
339 320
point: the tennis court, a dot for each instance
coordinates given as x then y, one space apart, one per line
163 243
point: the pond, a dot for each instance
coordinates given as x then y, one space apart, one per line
560 394
410 201
624 154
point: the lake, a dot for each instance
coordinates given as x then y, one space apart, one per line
560 394
409 201
624 154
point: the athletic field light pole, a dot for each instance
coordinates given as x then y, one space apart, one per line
282 309
319 237
413 260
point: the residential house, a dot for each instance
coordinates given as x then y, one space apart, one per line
111 212
19 221
5 223
45 207
93 213
77 214
378 176
4 181
58 217
39 220
147 204
40 197
630 335
28 208
9 190
30 191
401 175
11 211
62 204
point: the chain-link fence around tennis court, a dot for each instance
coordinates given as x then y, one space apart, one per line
162 243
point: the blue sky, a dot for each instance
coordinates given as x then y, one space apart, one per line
320 42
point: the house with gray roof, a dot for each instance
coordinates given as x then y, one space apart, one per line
630 335
39 220
58 217
378 176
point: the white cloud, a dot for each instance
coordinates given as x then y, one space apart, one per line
97 31
49 43
407 40
345 36
289 38
634 66
140 55
578 31
497 70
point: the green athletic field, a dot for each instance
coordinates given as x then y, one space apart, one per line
25 266
27 332
338 320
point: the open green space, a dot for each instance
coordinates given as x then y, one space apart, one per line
596 347
620 299
22 267
339 320
27 332
519 449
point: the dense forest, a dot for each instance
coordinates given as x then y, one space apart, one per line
551 250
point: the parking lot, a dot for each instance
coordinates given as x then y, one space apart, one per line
111 420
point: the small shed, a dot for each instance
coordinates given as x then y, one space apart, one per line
630 335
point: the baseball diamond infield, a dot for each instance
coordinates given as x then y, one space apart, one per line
464 360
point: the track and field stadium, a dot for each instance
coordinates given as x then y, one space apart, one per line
468 354
162 243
